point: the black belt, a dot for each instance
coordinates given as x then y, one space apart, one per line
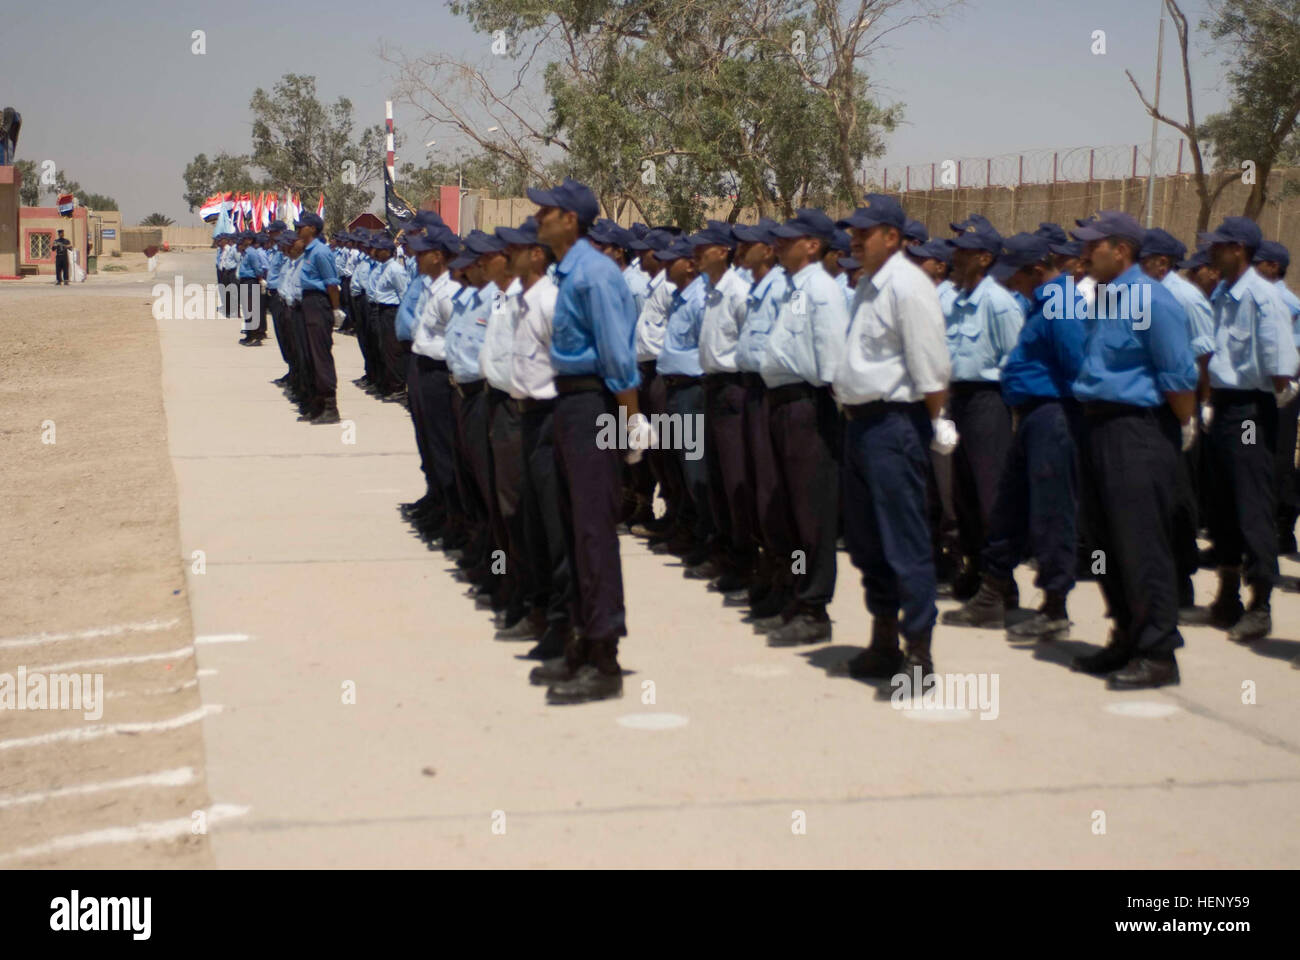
532 405
1023 410
752 380
1224 395
469 389
960 387
580 384
429 363
1105 409
876 408
314 293
647 368
680 380
719 378
791 392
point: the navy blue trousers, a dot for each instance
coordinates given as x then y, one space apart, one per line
886 527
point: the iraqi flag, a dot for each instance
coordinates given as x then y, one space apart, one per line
272 207
211 208
246 210
257 211
320 207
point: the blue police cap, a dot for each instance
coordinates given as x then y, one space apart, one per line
974 220
1270 251
569 195
1242 230
1019 251
308 219
479 243
1052 232
383 241
605 230
840 241
1201 258
876 209
939 249
1161 243
760 232
277 225
1070 248
287 238
1111 223
639 230
916 230
679 249
524 235
849 264
656 240
807 222
979 237
716 233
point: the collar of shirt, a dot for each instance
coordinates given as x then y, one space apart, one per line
977 295
803 275
573 258
534 294
880 279
761 288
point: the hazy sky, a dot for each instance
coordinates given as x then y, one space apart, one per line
112 93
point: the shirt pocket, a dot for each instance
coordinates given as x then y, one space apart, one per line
970 327
1119 340
1241 342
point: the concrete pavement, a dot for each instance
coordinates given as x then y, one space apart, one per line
722 752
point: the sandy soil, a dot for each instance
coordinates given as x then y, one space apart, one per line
89 540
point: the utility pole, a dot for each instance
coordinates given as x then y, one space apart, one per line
1155 124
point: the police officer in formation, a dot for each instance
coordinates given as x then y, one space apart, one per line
806 377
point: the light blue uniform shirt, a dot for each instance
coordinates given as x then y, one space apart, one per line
843 280
466 331
1253 336
389 283
359 274
947 291
638 284
346 260
762 305
1293 303
807 341
412 297
318 267
1136 366
681 351
594 329
252 264
983 327
275 261
1200 315
291 281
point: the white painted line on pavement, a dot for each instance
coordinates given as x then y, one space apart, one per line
222 638
205 672
139 833
652 721
77 734
33 639
178 777
1142 709
184 653
150 693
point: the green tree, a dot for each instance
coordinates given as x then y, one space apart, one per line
157 220
222 174
29 193
95 201
1260 43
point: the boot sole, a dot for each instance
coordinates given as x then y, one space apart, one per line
998 624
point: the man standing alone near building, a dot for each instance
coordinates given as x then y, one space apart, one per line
61 247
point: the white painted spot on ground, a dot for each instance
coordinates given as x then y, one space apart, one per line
148 626
762 670
940 715
205 672
81 734
652 721
222 638
184 653
139 833
1143 709
178 777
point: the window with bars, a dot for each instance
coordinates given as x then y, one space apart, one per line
38 245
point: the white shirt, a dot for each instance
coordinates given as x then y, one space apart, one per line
897 347
534 376
496 357
653 321
430 338
723 316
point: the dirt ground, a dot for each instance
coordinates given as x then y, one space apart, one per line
89 541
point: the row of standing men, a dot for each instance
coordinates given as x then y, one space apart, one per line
949 407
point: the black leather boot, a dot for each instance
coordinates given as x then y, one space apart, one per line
329 412
600 678
917 654
1116 654
1257 622
882 659
986 609
1050 623
1226 609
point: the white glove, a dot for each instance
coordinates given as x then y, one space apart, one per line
641 436
262 284
1189 434
339 317
1207 416
1287 393
945 436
